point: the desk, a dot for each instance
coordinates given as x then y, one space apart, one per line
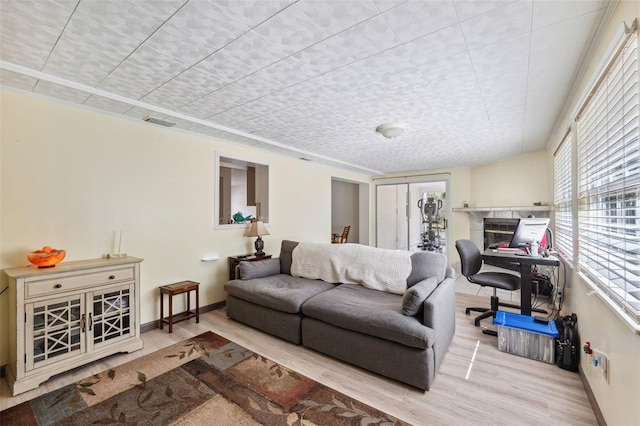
526 263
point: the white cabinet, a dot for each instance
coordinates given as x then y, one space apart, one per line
71 314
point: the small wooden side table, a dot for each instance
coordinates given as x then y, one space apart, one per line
235 260
179 288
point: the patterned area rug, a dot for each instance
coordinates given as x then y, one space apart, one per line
204 380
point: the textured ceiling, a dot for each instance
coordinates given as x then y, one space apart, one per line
471 81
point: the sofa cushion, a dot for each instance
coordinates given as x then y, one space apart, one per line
425 264
281 292
259 268
286 256
414 298
371 312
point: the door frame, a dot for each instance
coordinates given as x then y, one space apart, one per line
436 177
363 207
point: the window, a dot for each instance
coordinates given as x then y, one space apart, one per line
563 199
242 192
609 183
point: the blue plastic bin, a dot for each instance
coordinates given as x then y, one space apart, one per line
521 335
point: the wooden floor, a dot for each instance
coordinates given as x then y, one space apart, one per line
476 384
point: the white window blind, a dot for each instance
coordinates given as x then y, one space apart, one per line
609 183
562 199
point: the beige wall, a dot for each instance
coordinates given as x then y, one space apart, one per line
72 178
619 395
518 181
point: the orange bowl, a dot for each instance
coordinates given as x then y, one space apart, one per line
46 257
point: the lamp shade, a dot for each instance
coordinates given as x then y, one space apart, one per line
390 130
257 229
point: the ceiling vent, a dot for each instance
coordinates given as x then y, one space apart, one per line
158 121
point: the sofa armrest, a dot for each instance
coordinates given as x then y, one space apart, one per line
259 268
440 306
440 315
450 273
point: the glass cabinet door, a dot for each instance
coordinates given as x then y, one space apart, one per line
111 315
55 330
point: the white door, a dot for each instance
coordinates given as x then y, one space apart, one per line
392 230
411 216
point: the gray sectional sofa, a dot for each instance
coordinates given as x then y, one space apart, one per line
401 336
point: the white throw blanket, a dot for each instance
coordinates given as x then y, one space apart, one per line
371 267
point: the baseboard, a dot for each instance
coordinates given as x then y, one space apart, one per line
156 323
592 398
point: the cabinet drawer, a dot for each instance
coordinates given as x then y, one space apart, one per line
60 284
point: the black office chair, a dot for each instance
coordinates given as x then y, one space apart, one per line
471 260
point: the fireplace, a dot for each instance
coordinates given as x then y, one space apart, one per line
498 231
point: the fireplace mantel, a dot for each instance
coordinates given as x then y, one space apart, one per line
494 209
481 212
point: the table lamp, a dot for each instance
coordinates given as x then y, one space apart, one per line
257 230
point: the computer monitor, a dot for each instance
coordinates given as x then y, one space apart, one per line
528 230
